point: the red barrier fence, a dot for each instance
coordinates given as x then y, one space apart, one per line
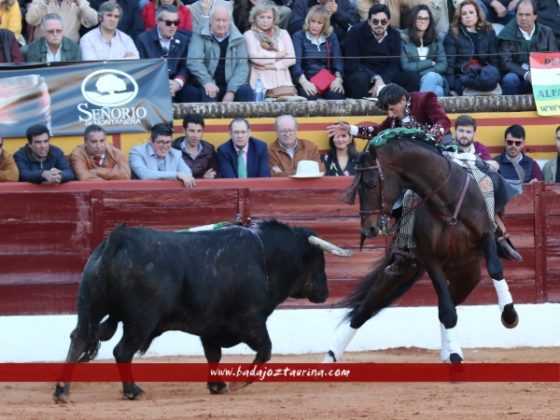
48 232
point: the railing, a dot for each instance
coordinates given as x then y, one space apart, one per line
48 232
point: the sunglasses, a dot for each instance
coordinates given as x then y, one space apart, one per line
381 22
170 22
514 143
54 31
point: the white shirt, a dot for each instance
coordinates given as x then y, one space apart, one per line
95 47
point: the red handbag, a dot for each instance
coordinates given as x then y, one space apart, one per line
323 79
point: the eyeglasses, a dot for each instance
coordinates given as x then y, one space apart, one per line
381 22
163 142
515 143
170 22
423 18
287 131
54 31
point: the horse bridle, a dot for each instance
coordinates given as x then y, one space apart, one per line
383 216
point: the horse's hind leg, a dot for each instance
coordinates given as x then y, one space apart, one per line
344 334
510 319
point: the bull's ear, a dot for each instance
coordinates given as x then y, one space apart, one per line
372 151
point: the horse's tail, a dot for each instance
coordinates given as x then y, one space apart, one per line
357 298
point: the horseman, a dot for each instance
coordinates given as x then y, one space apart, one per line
410 110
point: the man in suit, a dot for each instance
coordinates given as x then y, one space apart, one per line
242 156
165 42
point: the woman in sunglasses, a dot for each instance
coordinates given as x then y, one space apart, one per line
149 14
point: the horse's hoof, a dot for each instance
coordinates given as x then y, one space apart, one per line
218 388
509 317
133 392
236 386
455 358
329 357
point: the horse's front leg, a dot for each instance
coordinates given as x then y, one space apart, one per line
450 349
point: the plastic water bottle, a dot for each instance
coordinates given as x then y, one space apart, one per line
259 91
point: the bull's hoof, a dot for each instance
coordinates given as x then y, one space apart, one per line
218 388
455 358
133 392
236 386
510 319
60 395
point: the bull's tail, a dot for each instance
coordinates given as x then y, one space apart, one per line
364 307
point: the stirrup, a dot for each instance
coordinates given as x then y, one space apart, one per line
402 261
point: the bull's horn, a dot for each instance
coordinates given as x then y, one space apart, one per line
327 246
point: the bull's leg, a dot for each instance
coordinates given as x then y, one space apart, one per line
509 316
213 354
447 315
132 341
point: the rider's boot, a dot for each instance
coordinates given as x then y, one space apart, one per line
402 261
505 247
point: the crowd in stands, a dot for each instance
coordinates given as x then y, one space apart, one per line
219 50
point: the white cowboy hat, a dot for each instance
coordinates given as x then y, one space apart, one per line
308 169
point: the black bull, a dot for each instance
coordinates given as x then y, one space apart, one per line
220 285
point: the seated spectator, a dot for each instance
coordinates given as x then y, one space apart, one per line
8 169
217 59
343 15
550 169
498 11
97 160
423 53
341 159
41 162
165 41
242 10
515 166
184 14
548 12
52 46
9 48
470 44
465 130
201 10
106 42
158 160
373 49
10 17
285 153
74 13
516 41
317 49
243 156
271 52
130 21
198 154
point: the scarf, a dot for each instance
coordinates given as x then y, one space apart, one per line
269 39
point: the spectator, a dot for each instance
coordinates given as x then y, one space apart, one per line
243 156
285 153
53 46
9 48
270 49
343 15
516 41
130 21
158 160
341 159
550 169
184 14
465 130
74 13
242 9
106 42
201 10
10 17
317 49
498 11
41 162
423 53
548 12
515 166
217 59
470 44
373 49
97 160
198 154
8 168
166 42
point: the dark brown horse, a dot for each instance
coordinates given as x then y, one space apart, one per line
452 231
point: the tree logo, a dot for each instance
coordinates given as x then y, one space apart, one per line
109 87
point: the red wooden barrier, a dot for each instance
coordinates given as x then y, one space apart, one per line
47 233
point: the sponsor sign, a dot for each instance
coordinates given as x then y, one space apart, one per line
121 96
545 78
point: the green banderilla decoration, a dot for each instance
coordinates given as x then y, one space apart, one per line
212 226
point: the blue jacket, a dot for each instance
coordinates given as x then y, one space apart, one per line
30 169
311 59
257 159
530 166
149 47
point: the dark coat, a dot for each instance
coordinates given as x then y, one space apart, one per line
36 52
206 159
548 12
149 47
9 48
310 59
30 168
257 159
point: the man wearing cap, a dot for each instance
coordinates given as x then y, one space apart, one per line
285 153
242 156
